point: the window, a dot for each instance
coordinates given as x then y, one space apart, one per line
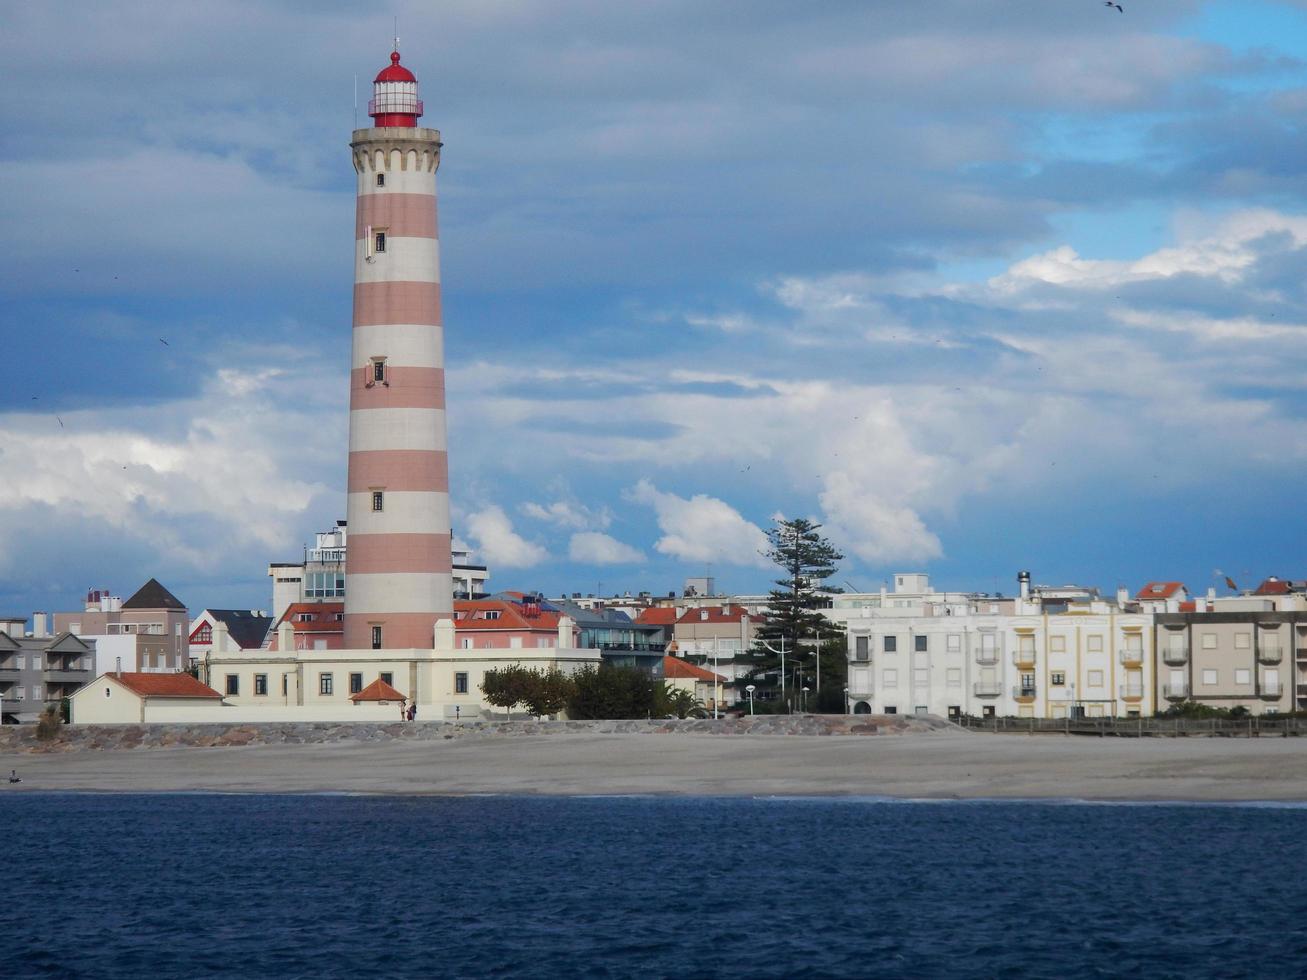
889 678
378 369
1209 641
1095 644
36 692
490 614
233 684
381 180
355 683
891 644
954 676
376 638
1057 678
285 685
954 643
388 678
1242 641
891 709
305 617
1243 676
460 683
261 684
1057 644
1210 678
1095 678
987 711
860 645
379 242
919 644
326 683
378 501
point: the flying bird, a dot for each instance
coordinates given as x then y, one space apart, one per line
1230 583
164 342
1110 3
60 421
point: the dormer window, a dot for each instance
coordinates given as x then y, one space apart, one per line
381 180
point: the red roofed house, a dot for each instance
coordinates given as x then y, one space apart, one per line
501 624
139 697
718 637
1154 596
317 626
703 684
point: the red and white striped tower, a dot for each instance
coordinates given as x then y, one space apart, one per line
397 564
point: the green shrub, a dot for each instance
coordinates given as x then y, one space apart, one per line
613 692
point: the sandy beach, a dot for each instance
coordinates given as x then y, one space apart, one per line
961 766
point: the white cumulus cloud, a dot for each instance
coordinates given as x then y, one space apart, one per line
701 528
568 513
498 543
602 549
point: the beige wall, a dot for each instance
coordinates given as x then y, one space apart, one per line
1230 664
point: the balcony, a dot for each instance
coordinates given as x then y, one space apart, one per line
1271 692
1269 655
66 676
1132 692
983 689
1175 692
1026 694
1132 658
9 673
1175 656
987 657
1024 659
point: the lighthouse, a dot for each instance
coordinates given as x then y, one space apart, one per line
397 566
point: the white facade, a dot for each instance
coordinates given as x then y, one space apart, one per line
1093 661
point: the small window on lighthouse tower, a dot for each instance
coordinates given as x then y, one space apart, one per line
380 244
381 180
379 369
378 501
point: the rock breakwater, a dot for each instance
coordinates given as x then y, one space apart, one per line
103 738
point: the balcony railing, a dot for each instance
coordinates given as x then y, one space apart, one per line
983 689
1270 655
66 676
986 656
1177 657
1132 657
1023 693
1132 692
1175 692
1023 658
1270 692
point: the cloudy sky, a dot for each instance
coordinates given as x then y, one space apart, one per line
979 287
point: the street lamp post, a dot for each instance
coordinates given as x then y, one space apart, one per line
750 689
805 699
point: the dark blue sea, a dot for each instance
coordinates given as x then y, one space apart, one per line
335 886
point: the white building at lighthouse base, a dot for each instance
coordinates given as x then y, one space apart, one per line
289 685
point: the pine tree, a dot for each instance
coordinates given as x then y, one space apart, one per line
793 614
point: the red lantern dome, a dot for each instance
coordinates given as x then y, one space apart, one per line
395 99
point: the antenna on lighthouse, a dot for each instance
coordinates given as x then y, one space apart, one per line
356 100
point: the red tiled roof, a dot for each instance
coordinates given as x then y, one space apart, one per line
324 617
378 690
1273 586
1159 590
165 685
676 668
1190 606
657 616
716 614
470 615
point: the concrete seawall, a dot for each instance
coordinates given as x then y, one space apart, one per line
92 738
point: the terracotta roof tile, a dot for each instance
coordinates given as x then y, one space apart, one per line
717 614
676 668
378 690
657 616
165 685
1273 586
1159 590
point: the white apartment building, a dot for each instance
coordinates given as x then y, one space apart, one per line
1026 660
